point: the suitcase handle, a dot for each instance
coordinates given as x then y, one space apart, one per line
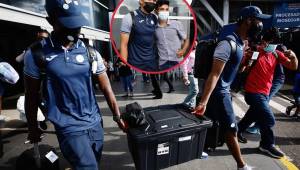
148 126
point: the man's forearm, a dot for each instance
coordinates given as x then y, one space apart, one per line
124 52
32 99
31 109
185 45
111 101
124 39
108 93
209 86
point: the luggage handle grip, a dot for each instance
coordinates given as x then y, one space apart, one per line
148 126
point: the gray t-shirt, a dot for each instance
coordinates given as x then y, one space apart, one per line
169 41
126 23
223 50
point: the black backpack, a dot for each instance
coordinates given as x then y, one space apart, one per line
204 55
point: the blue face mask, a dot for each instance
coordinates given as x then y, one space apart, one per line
163 15
270 48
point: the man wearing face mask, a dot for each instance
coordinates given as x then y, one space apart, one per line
137 37
257 88
69 94
169 37
216 91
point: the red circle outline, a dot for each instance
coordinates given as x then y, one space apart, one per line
152 72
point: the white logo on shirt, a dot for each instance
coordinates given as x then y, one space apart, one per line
50 58
79 58
152 22
141 21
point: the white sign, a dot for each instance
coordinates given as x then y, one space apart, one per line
255 55
162 149
185 138
51 156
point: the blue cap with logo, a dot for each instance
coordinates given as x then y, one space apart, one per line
68 12
253 11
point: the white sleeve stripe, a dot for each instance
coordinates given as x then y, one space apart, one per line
100 72
220 59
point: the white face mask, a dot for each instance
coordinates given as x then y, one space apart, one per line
163 15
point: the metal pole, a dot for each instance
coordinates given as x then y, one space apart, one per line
226 12
212 11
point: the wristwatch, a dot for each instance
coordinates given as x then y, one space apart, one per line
117 118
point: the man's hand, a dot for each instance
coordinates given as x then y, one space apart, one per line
180 53
292 63
290 54
199 110
186 81
34 135
122 125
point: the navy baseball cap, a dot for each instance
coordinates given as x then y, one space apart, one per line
253 11
68 12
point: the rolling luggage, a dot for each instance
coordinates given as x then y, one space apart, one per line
171 136
214 135
39 157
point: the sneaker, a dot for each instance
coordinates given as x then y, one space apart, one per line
204 155
253 130
241 138
246 167
272 151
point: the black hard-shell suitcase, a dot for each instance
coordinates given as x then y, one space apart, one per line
172 136
30 160
214 135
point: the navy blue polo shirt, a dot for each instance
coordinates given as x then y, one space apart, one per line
223 53
70 97
141 47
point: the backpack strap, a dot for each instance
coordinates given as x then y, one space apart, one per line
39 57
91 53
132 18
131 35
232 44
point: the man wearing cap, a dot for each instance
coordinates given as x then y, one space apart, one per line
69 94
224 69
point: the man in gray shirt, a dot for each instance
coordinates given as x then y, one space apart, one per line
169 36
